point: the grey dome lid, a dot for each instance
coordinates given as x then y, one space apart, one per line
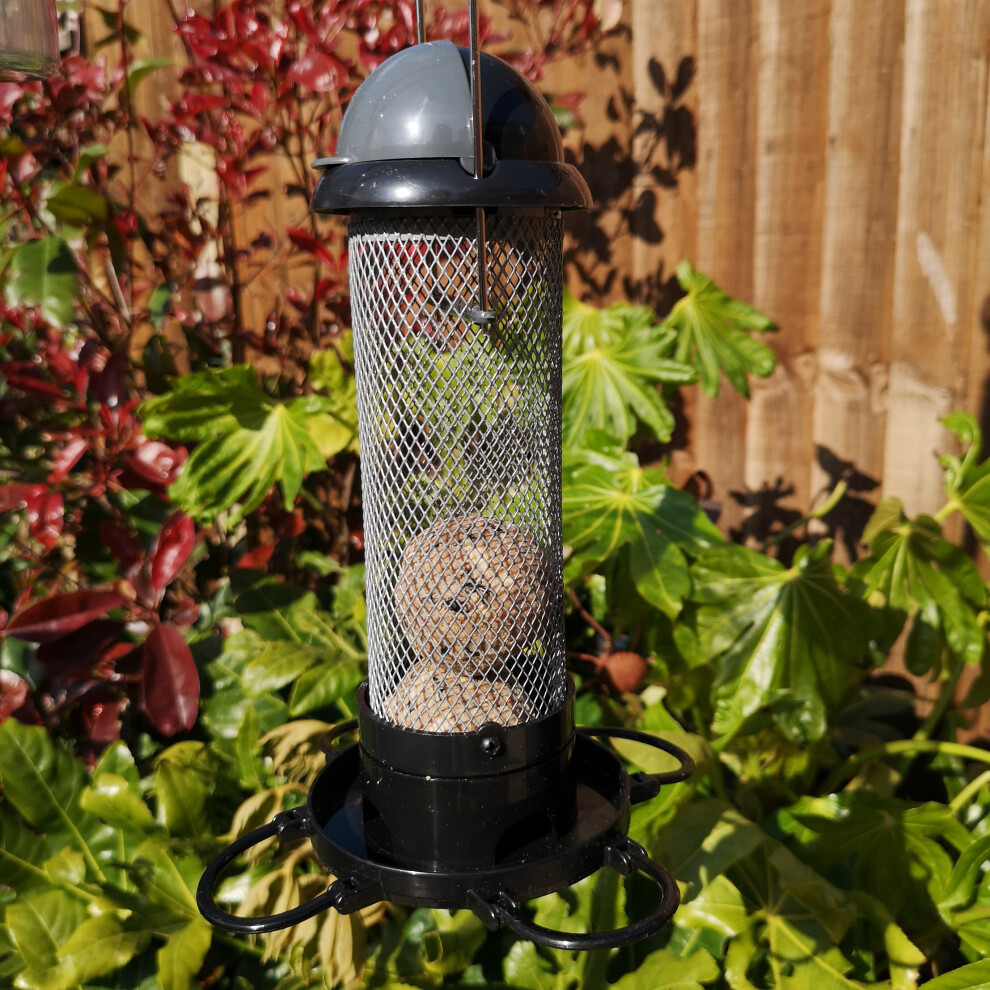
406 140
416 104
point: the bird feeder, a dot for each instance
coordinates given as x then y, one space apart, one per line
470 786
28 37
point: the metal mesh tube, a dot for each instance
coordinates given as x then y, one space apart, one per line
460 459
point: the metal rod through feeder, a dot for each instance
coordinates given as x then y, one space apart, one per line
470 786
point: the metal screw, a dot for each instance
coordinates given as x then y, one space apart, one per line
491 746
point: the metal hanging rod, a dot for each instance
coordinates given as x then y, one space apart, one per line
420 23
483 315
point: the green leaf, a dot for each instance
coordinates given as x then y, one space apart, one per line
975 976
904 958
40 925
967 482
248 441
525 968
324 684
141 68
44 785
276 664
182 955
605 510
913 571
44 274
784 638
663 970
727 837
77 205
713 334
964 881
802 919
895 849
330 371
718 906
117 759
183 786
160 304
457 936
112 800
23 854
612 364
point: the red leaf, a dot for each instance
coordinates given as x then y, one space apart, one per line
60 615
104 722
156 462
258 557
15 495
171 683
171 549
120 543
315 71
311 245
66 459
13 693
45 516
75 654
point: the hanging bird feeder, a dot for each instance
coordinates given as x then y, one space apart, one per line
470 786
28 38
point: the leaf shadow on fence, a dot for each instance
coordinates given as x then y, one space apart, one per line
652 143
771 521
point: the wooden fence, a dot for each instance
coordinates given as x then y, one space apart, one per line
826 160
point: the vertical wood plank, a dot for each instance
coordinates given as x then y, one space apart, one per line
946 53
724 223
792 74
860 223
664 43
597 242
664 63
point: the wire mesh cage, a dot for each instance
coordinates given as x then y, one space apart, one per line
460 434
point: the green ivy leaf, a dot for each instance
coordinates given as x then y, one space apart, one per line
914 572
248 441
713 334
782 638
44 274
612 365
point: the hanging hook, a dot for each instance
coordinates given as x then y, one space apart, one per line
482 314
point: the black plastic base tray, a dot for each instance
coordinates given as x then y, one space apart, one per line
602 809
333 820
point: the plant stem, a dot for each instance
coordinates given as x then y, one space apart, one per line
942 702
589 618
977 913
898 747
969 792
